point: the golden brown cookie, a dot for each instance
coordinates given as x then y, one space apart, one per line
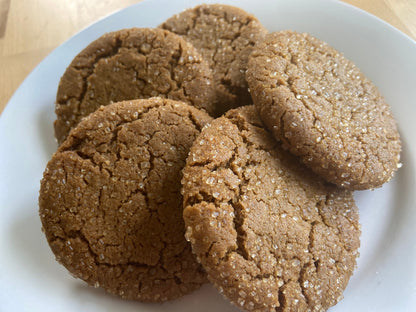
270 234
132 64
324 110
110 201
225 36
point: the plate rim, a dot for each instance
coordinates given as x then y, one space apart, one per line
8 110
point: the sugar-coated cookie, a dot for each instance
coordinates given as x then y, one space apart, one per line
225 36
269 232
132 64
324 110
110 201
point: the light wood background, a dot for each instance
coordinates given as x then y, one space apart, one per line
31 29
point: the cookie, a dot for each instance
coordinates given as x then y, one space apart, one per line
132 64
225 36
324 110
269 232
110 201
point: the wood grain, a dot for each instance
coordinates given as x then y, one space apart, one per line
405 10
31 29
35 27
4 10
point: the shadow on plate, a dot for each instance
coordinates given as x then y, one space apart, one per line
31 249
383 213
37 262
45 119
205 299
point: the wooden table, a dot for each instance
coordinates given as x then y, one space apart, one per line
31 29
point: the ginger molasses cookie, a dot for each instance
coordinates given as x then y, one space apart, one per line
225 36
132 64
269 232
110 201
324 110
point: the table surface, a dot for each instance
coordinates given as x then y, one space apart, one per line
28 29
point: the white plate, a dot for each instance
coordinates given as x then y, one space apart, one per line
385 280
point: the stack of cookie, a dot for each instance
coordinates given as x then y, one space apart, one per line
149 197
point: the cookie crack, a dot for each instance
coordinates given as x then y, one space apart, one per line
280 299
335 228
238 221
321 204
172 61
243 129
208 252
90 71
238 209
313 261
239 214
73 234
281 128
194 121
195 20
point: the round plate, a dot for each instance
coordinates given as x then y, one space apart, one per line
385 278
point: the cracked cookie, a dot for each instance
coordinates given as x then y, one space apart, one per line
110 201
324 110
131 64
225 36
269 232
